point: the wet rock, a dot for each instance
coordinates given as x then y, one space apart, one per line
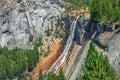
80 31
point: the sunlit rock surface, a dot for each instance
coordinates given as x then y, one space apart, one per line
19 21
114 52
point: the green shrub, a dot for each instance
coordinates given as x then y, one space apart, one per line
31 38
47 31
38 43
14 63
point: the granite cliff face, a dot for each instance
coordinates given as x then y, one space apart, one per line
21 19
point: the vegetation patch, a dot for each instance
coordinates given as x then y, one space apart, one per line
75 4
52 76
97 67
38 43
5 13
14 63
31 38
105 11
48 32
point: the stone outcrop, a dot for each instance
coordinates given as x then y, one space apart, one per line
80 31
104 38
105 34
27 18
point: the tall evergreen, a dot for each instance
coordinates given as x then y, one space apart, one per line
105 11
13 63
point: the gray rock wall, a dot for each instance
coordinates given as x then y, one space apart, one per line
114 52
80 30
15 28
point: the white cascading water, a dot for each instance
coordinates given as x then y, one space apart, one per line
55 67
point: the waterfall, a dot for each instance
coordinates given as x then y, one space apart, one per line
62 58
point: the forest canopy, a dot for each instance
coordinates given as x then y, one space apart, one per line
14 63
105 11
